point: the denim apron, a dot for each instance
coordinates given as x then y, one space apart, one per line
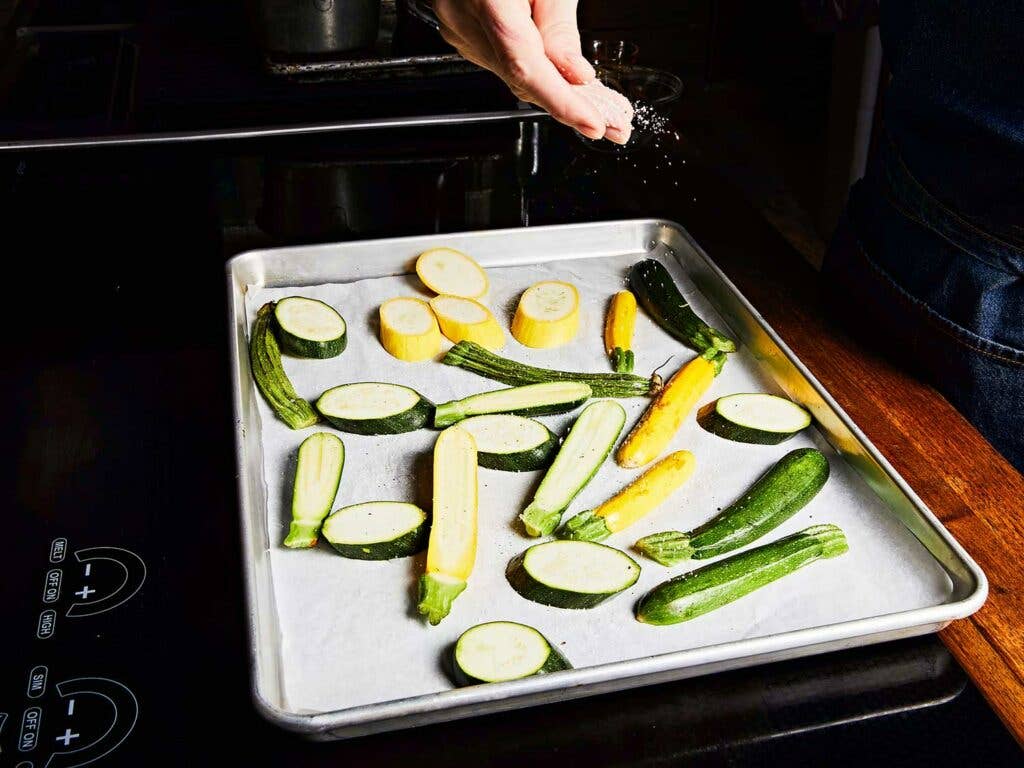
928 260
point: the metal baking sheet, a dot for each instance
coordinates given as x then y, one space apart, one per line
337 651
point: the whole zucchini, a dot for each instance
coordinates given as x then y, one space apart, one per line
774 498
692 594
272 381
660 297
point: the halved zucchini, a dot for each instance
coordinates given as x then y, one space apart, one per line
463 319
317 475
531 400
548 315
270 377
309 328
588 444
511 443
503 650
374 408
377 530
753 418
447 271
408 329
571 574
452 548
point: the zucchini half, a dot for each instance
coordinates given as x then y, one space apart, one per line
271 380
753 418
377 530
309 328
571 574
374 408
531 400
503 650
587 446
511 443
317 475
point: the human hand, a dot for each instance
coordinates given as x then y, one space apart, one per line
534 46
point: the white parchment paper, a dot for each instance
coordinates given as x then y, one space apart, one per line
349 631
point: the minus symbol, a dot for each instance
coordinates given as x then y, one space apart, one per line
71 707
88 568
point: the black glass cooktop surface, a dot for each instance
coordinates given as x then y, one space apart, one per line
123 607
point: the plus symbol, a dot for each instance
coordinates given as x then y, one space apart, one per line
67 737
84 592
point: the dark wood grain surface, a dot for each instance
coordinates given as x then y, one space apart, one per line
958 474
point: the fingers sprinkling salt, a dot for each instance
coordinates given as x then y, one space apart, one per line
613 106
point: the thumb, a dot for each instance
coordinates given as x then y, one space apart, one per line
556 21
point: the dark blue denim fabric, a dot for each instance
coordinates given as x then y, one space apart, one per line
928 261
937 295
955 104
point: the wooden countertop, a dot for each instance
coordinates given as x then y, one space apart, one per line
974 491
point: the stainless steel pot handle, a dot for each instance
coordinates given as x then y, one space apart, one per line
424 11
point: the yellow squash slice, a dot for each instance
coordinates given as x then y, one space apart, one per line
408 329
548 315
467 320
449 272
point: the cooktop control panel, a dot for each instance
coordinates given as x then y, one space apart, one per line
70 713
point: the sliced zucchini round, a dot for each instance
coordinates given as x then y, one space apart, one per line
511 443
375 408
753 418
309 328
503 650
571 574
377 530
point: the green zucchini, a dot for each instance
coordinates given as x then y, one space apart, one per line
667 547
511 443
377 530
712 586
571 574
753 418
317 475
775 497
585 448
271 380
309 328
374 408
531 400
658 294
472 357
503 650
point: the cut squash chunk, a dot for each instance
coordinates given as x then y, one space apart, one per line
408 329
548 315
451 272
467 320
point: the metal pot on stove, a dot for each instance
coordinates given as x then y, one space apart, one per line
316 27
